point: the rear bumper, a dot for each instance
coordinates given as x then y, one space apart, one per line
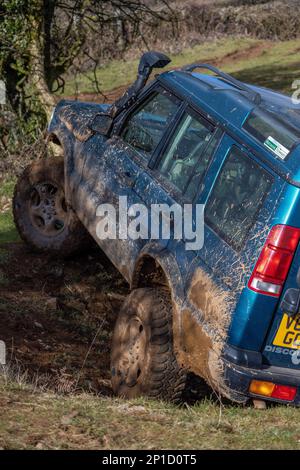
240 367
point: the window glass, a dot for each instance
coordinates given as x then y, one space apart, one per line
186 158
236 198
145 127
276 135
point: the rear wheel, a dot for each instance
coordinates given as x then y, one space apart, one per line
41 214
142 360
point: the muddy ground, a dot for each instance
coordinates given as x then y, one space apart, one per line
56 317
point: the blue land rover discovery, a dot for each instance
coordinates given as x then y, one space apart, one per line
228 312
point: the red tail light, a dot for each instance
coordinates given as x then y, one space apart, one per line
284 392
275 259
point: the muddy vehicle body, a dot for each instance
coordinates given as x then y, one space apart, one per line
228 312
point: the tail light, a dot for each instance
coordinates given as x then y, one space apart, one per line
271 390
274 261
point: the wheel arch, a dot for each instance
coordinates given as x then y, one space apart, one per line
197 341
152 268
52 137
62 143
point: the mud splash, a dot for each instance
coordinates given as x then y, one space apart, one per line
204 327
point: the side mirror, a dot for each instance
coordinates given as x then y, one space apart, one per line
102 124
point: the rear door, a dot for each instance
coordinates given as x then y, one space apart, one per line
176 178
241 197
234 197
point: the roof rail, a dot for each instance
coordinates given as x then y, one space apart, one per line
255 96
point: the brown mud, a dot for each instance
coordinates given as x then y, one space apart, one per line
204 331
57 317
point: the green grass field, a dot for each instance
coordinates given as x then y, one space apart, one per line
8 231
265 63
47 421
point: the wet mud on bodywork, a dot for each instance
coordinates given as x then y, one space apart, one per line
200 318
99 177
204 321
78 117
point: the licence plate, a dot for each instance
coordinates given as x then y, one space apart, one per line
288 333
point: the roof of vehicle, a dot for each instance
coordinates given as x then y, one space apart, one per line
230 106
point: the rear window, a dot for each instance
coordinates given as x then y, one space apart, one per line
277 136
236 198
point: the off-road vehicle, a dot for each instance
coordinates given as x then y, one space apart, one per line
228 312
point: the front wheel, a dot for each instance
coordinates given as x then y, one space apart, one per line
41 214
142 359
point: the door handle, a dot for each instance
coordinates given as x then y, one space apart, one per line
129 178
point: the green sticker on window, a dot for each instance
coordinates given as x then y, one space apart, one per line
276 147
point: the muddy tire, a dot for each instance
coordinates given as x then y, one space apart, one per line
142 359
41 214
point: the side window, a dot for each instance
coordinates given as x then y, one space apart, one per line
145 127
276 135
236 198
187 156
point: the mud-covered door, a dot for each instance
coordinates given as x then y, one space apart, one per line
240 200
111 173
131 151
104 197
177 179
234 194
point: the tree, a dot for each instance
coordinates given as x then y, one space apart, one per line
41 39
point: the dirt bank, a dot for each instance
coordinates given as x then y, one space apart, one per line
56 317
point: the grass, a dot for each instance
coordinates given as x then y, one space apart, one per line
8 232
7 188
275 65
45 420
121 72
